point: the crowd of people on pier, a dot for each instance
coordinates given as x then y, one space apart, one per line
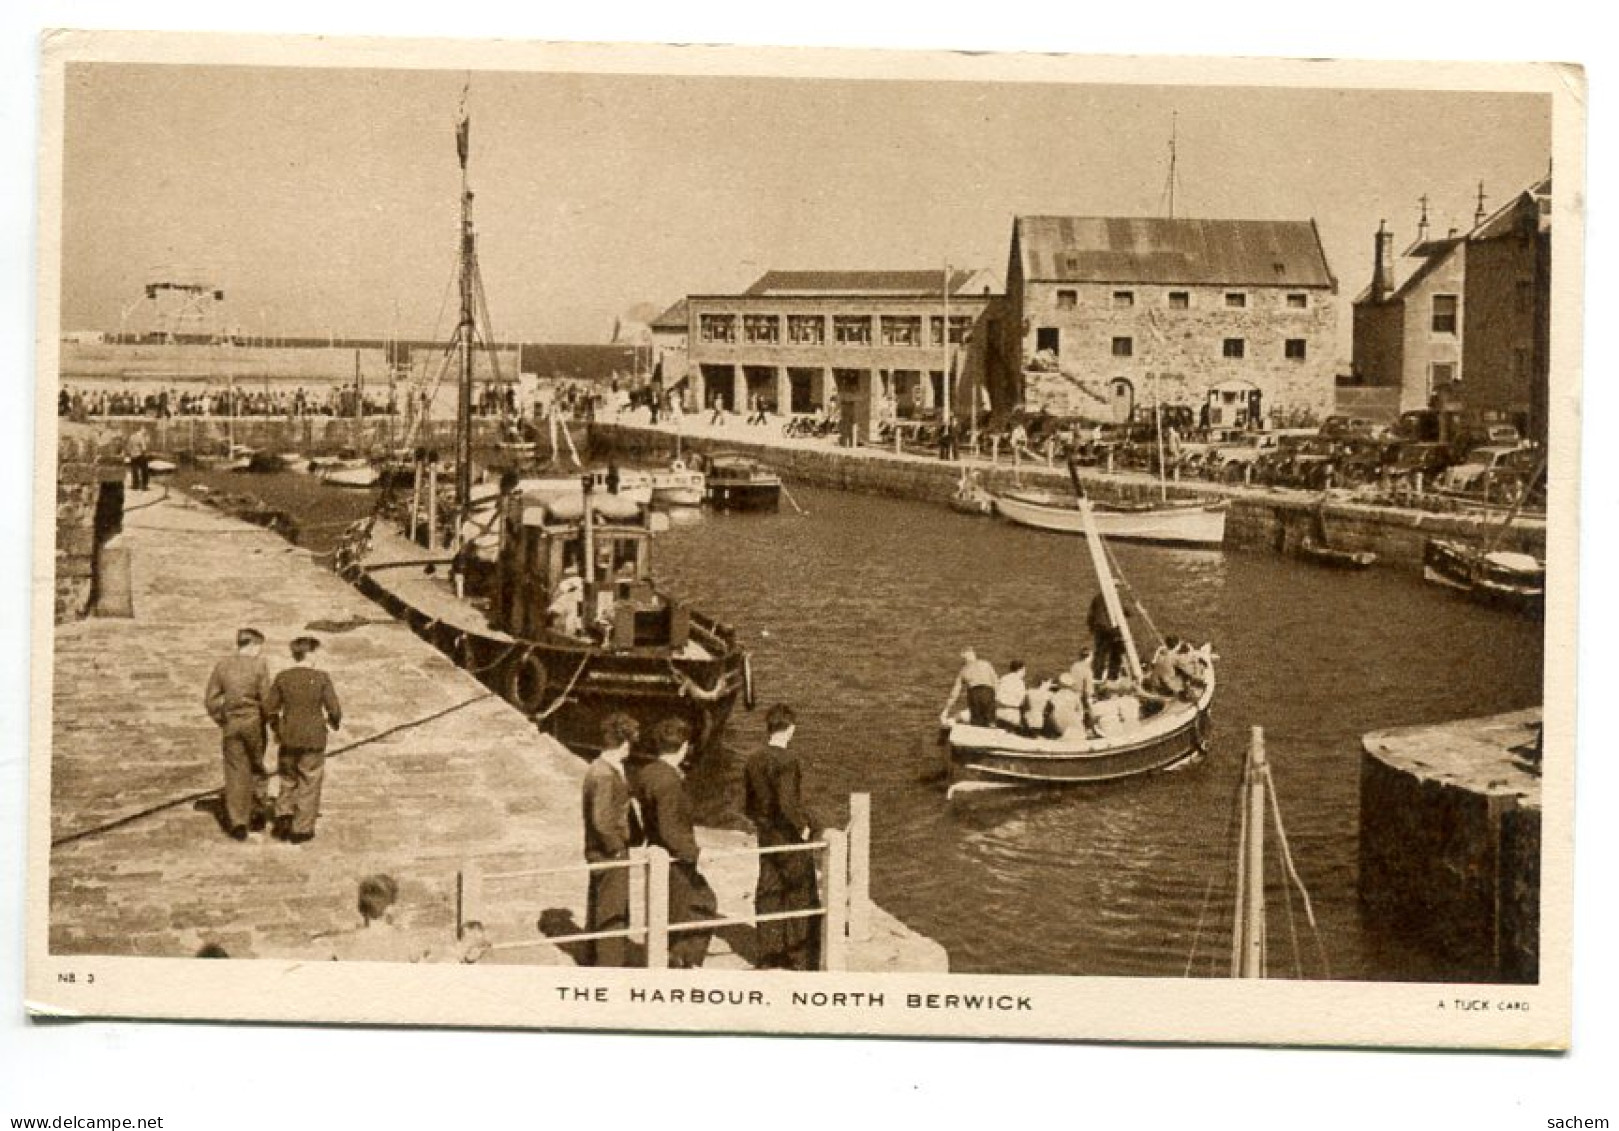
165 404
1097 696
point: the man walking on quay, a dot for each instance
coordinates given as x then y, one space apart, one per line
773 801
235 700
608 836
302 702
659 789
140 460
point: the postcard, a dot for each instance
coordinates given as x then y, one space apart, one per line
802 541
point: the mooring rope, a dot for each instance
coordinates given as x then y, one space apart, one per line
1208 890
202 795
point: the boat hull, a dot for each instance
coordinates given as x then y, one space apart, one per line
1311 551
567 686
1490 579
994 755
727 495
1194 525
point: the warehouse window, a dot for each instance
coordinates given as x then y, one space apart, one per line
851 329
1298 302
806 329
1233 348
1046 338
1294 349
1444 314
761 329
1124 298
1180 300
717 327
1067 300
1124 347
1236 300
902 330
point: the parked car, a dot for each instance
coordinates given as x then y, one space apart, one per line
1352 428
1363 461
1497 472
1413 457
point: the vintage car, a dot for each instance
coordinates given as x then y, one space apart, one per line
1497 472
1427 458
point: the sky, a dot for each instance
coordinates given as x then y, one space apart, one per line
324 201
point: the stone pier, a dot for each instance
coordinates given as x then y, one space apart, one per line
1450 841
440 772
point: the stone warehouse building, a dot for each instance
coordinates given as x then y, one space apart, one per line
875 340
1464 321
1233 319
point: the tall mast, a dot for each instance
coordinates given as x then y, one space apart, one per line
949 383
1110 592
468 326
1170 189
1248 938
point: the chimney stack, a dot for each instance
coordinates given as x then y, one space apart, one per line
1383 263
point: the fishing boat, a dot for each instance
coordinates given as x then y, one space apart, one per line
678 485
738 482
1499 577
1505 578
554 605
1174 524
1170 733
971 497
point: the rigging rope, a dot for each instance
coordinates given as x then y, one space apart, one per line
1208 890
556 704
1293 874
202 795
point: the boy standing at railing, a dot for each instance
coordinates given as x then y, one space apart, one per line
773 784
608 837
659 790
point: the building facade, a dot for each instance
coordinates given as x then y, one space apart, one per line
873 341
1234 319
1408 322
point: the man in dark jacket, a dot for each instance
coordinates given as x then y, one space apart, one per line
301 703
235 699
773 784
608 836
659 790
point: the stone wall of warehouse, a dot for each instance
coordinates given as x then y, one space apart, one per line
1258 519
1177 354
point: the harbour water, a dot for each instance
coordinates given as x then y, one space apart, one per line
856 612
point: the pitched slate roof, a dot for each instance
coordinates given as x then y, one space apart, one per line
888 283
1103 249
675 318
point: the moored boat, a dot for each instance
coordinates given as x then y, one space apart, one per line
1498 577
355 473
1172 524
738 482
1321 554
678 485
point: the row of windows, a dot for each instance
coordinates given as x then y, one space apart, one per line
847 329
1179 300
1048 339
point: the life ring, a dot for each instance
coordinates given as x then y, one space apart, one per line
747 681
526 682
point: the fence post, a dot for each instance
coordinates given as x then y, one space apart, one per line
835 901
468 896
638 876
860 866
657 908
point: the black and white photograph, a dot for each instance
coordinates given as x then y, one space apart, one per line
792 541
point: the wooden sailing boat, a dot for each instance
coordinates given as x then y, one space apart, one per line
573 626
1164 737
1506 578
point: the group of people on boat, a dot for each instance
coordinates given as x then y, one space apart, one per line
1092 698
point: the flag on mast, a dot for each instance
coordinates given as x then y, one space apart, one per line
463 129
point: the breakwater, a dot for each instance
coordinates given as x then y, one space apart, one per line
1259 518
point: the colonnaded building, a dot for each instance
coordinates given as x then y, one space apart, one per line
1235 320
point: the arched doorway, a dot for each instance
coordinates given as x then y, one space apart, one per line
1121 400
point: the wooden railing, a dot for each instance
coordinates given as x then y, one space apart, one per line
843 910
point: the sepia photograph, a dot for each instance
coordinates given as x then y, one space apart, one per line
806 541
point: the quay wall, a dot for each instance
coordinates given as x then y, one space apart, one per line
1259 518
310 435
1450 842
89 508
